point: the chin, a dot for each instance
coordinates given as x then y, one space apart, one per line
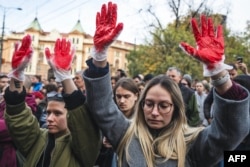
153 126
52 131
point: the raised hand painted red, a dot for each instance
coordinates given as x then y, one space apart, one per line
106 29
63 54
22 54
210 45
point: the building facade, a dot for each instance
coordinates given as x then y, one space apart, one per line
82 42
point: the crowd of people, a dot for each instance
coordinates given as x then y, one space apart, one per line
95 119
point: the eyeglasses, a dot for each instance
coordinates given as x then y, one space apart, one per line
185 84
163 107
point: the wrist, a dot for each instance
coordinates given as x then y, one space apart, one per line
95 72
13 97
100 64
99 55
221 82
68 86
62 75
16 85
220 78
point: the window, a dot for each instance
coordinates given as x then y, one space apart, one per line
117 54
40 58
117 63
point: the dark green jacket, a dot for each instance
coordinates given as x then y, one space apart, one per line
191 108
84 139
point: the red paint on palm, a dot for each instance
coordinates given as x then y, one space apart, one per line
210 47
23 53
106 29
63 55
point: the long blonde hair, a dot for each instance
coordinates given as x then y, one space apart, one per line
171 143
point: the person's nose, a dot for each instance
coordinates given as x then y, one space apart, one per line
155 110
50 117
122 99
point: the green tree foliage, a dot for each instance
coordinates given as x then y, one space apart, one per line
164 52
238 44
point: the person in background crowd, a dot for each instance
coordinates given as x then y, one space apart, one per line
137 79
58 145
126 95
141 87
53 80
188 96
120 73
242 66
37 84
4 81
204 81
147 78
233 72
38 96
141 76
114 79
207 88
30 97
186 80
79 81
45 81
200 98
194 83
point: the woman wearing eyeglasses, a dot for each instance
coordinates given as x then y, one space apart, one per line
158 135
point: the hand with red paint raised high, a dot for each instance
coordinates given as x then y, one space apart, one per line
61 60
21 58
107 30
210 46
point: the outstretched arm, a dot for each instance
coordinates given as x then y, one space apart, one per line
85 134
210 51
107 31
231 101
20 59
22 125
97 78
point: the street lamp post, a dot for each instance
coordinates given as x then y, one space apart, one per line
5 9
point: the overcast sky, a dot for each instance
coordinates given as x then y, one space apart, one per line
63 14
